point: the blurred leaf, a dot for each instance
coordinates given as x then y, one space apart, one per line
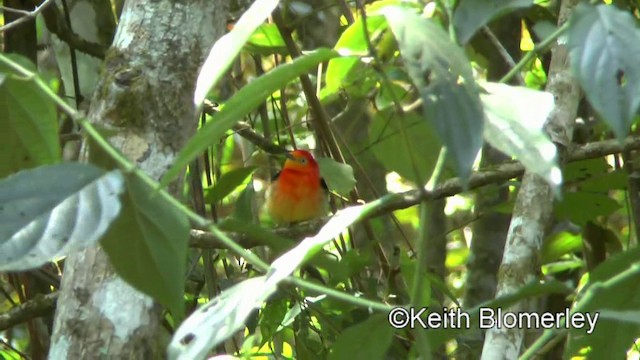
339 176
50 211
28 123
225 50
243 210
147 245
604 45
228 182
471 15
595 175
368 340
266 40
242 103
558 267
352 41
515 116
390 147
442 74
559 244
219 319
612 336
580 207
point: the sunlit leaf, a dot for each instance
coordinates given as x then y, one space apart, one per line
219 319
605 44
266 40
515 116
53 210
351 42
242 103
224 51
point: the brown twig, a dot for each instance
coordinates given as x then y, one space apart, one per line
393 202
38 306
26 16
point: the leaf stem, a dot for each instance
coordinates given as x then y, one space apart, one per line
536 50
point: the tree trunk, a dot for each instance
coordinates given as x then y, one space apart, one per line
534 204
146 94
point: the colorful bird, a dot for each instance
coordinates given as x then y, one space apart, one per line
297 193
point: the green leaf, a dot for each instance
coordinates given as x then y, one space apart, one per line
443 76
612 336
394 151
244 206
471 15
580 207
559 244
28 120
147 245
604 45
514 120
368 340
228 182
50 211
339 176
241 104
352 41
225 50
595 175
266 40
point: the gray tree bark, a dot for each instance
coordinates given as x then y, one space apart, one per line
534 204
146 94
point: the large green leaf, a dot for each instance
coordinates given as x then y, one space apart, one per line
471 15
443 76
583 206
515 116
147 245
224 51
339 176
352 42
52 210
374 333
394 150
228 182
28 125
614 334
267 40
605 47
241 104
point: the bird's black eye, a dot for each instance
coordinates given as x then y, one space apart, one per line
303 161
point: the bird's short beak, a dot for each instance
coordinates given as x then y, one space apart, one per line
290 156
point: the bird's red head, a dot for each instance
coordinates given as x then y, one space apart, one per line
300 160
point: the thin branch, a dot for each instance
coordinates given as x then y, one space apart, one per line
503 52
28 16
55 23
38 306
393 202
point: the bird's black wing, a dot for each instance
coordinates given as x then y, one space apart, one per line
324 185
275 176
